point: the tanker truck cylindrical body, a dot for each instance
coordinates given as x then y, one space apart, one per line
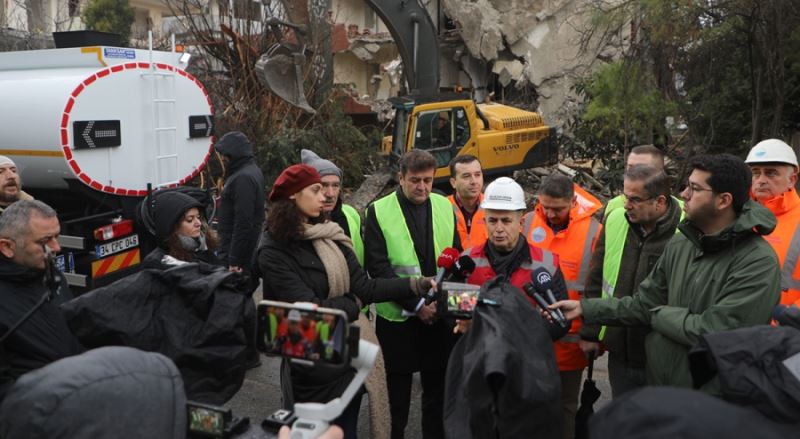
102 123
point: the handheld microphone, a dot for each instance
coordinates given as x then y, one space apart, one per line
531 291
445 263
542 282
463 267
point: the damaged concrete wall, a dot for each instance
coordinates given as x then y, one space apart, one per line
528 41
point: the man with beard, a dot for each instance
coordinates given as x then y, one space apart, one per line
717 274
343 214
28 231
10 184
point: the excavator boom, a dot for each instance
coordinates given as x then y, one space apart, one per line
409 24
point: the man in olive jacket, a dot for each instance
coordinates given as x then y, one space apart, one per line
717 274
630 244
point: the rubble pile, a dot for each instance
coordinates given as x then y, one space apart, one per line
533 42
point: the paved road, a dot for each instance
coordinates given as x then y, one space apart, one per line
260 395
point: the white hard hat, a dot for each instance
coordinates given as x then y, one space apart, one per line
294 315
503 194
772 151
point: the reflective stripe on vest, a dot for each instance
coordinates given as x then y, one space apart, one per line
586 257
354 224
788 282
477 232
484 272
616 230
579 284
399 245
547 262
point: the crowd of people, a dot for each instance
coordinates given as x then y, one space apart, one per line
643 277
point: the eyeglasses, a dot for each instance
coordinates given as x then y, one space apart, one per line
691 188
636 200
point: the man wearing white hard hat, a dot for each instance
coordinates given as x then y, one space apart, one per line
774 167
506 252
10 184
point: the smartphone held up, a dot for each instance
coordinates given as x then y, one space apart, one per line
303 332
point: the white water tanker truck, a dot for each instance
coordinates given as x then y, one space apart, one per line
92 130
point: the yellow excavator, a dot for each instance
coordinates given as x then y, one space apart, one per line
504 138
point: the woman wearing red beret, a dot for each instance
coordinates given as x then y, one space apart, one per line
307 259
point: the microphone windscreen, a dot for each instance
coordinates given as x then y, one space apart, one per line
447 258
541 278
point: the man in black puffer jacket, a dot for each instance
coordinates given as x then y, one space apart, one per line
241 212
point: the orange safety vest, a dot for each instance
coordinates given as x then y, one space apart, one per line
574 246
477 233
785 240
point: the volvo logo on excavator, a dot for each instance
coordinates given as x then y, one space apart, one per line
505 148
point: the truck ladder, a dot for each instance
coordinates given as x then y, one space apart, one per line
165 129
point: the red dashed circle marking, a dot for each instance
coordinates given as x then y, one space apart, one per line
65 146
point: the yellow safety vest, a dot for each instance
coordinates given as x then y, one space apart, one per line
354 224
400 246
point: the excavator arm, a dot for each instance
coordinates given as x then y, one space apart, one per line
417 41
280 69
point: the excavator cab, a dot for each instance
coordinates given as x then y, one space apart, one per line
443 129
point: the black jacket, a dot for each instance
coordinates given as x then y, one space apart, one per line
757 367
241 210
104 393
669 412
44 337
639 256
194 313
294 273
153 259
502 379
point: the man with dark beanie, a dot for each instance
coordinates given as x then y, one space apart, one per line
241 212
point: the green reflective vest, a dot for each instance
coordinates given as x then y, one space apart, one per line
400 246
354 224
614 204
616 230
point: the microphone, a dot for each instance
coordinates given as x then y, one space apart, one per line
445 263
463 267
531 291
542 282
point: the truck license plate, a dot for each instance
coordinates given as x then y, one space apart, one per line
117 246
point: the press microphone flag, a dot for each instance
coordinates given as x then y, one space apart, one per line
445 262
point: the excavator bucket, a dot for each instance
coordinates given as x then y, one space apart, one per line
280 70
